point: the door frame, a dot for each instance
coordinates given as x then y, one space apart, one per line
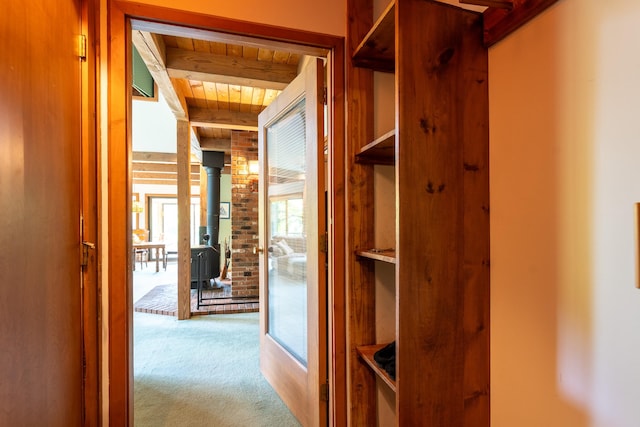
119 310
89 205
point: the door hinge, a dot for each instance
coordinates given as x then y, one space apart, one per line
85 252
324 96
324 245
324 392
82 47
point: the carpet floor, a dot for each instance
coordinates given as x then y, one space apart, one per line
202 372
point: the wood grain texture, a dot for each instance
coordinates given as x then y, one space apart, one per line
90 197
360 289
40 194
382 151
223 119
184 219
388 256
366 353
475 268
337 241
226 69
441 114
297 385
377 49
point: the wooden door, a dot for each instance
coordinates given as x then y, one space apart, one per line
41 361
293 330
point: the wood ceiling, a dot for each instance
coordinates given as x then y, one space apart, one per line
218 87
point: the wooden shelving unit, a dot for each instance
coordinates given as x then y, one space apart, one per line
388 256
378 255
366 353
377 49
381 151
441 199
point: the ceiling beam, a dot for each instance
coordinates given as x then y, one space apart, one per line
153 52
203 117
209 67
216 144
228 37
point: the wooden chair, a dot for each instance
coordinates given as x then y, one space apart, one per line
140 255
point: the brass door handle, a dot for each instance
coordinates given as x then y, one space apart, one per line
257 250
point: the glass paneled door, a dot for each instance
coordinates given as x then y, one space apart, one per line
293 331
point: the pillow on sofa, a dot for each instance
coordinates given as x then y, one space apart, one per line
285 247
276 250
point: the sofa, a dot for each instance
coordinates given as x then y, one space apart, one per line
288 255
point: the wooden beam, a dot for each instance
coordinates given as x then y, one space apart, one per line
216 144
236 120
231 37
160 182
162 175
184 221
499 23
147 156
152 50
501 4
161 167
209 67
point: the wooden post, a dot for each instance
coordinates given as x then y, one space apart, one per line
184 219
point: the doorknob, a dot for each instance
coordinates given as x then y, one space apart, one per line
257 250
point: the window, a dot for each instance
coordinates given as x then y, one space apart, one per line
287 217
164 220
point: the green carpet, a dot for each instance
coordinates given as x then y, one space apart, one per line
202 372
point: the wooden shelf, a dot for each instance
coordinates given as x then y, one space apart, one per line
377 50
384 256
366 353
382 151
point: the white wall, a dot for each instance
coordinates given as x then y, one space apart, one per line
153 126
565 127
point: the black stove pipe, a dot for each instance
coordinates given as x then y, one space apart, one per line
213 161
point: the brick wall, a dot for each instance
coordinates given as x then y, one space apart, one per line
244 215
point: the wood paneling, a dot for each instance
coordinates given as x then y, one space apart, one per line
359 216
435 297
41 361
119 268
90 198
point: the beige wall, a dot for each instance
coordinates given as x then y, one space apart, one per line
327 16
565 147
